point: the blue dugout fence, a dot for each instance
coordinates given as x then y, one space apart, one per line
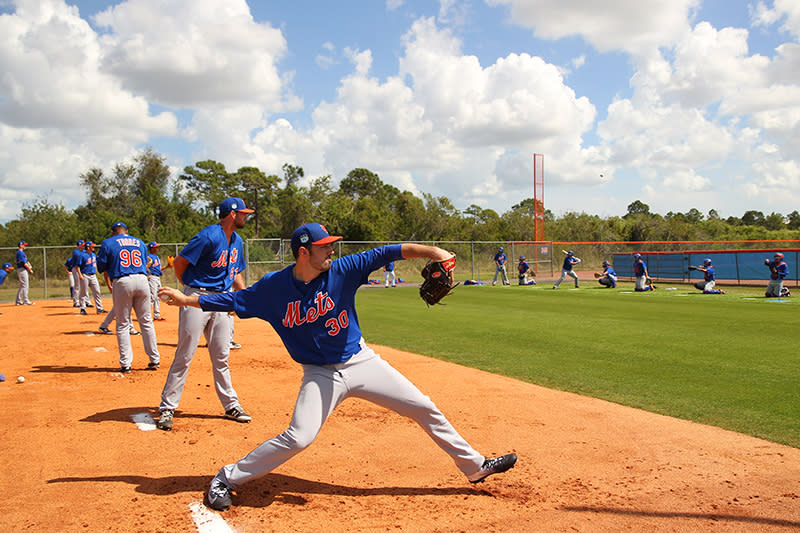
730 265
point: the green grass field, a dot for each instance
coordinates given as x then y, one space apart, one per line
730 361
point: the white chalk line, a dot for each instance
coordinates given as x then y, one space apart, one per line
208 521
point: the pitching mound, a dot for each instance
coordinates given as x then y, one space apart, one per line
81 453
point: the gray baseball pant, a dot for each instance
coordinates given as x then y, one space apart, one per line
192 324
92 283
24 286
155 284
133 292
367 376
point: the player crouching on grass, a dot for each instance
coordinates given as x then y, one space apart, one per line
311 305
709 278
608 278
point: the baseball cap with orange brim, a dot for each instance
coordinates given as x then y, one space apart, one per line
312 233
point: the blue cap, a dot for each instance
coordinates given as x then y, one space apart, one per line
570 252
116 225
153 244
606 263
312 233
7 265
500 249
20 243
89 243
522 258
637 256
80 242
233 204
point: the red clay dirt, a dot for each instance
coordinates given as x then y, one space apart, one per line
73 460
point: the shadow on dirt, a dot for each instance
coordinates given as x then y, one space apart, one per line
717 517
261 493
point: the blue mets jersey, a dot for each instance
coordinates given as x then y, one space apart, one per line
76 259
523 267
89 265
213 261
155 265
779 269
500 258
3 275
639 268
317 322
709 274
122 255
568 262
21 259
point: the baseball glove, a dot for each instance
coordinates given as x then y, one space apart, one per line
648 281
170 260
438 280
597 274
692 268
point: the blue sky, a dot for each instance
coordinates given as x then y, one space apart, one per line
682 104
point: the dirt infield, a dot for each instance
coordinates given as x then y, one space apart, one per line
74 460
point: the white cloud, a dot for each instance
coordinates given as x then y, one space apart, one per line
194 52
635 27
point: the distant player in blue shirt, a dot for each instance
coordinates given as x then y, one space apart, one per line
641 274
388 274
89 273
24 270
122 261
212 262
154 273
778 270
500 259
524 270
78 298
567 269
709 279
311 305
608 278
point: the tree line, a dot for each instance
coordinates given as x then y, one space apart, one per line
157 206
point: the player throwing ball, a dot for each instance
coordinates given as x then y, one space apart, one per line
311 305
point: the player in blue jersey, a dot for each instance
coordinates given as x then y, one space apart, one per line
608 278
122 261
524 270
24 270
567 269
89 273
75 259
641 274
311 305
709 279
211 262
778 270
154 273
500 259
6 268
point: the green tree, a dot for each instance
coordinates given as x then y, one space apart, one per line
637 208
753 218
206 182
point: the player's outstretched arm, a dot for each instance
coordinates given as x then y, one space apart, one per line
177 298
434 253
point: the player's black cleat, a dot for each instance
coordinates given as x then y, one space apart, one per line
495 465
125 370
238 414
152 366
219 495
165 419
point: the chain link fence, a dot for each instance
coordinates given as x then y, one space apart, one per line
475 259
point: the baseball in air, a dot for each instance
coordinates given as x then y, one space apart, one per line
21 379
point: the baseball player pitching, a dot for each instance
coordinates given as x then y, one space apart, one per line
311 305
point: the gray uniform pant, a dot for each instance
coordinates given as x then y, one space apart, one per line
155 284
92 283
24 286
773 288
501 270
133 292
192 324
76 283
367 376
564 274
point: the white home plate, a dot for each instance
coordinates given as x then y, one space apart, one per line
144 421
100 349
208 521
